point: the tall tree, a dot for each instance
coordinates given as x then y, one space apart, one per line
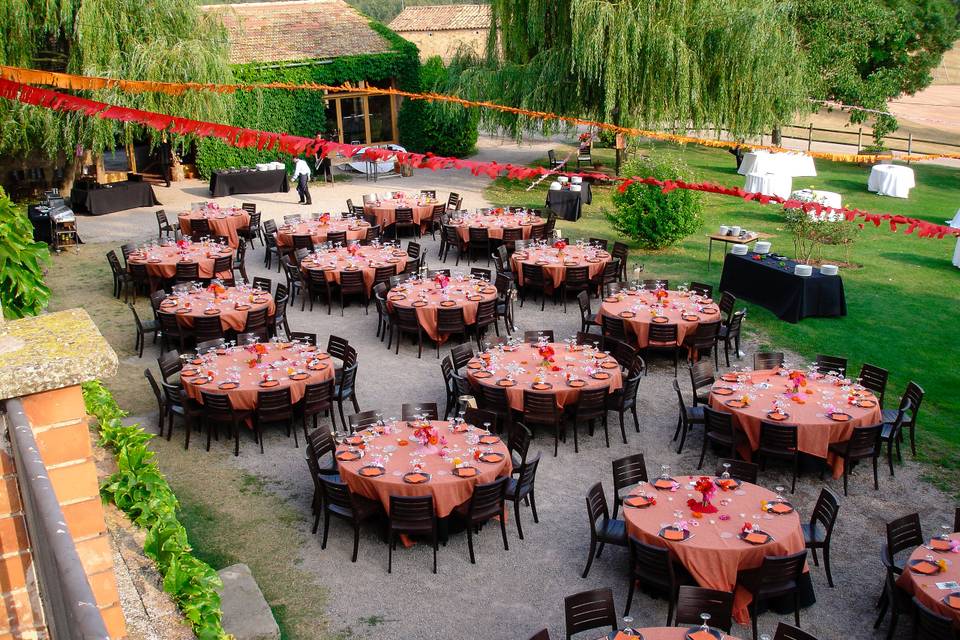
866 52
651 63
163 40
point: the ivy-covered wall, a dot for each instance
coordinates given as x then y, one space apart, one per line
303 112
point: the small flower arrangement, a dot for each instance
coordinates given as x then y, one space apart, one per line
661 295
353 249
258 350
707 489
427 436
216 289
324 219
560 245
798 379
547 354
442 280
183 244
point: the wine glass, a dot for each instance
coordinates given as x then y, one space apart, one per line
726 471
945 531
627 623
705 626
779 490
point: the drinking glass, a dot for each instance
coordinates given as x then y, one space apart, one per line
706 619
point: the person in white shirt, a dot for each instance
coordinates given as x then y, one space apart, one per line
301 173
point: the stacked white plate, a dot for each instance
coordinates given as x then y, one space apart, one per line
263 167
803 270
555 186
576 180
278 165
762 247
724 229
829 269
575 187
739 250
563 179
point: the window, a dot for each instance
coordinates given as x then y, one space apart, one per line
363 118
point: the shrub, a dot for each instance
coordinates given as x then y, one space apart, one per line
439 127
648 215
22 289
812 231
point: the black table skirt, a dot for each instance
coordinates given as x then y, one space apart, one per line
116 196
790 297
223 183
567 204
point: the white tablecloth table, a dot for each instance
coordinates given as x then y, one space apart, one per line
794 165
891 180
955 223
826 198
769 184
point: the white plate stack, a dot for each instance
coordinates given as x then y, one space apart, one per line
762 247
563 179
803 270
575 179
263 167
575 187
555 186
724 230
739 250
829 269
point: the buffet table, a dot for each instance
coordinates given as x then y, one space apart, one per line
230 182
109 198
567 204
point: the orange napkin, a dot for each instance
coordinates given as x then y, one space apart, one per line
727 484
416 478
347 456
700 635
954 601
940 545
636 501
466 472
489 440
625 636
779 507
663 484
925 567
370 471
672 534
492 457
757 538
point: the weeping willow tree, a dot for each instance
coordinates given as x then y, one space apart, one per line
734 64
160 40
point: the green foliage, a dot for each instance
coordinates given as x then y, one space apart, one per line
140 491
303 113
163 40
810 233
22 289
442 128
865 52
652 63
649 216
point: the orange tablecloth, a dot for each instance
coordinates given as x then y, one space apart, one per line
368 258
815 431
714 554
495 224
581 362
275 362
448 491
668 633
386 210
924 587
555 266
162 261
466 295
356 230
225 222
232 307
636 309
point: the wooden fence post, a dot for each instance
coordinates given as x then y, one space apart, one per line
909 146
809 136
859 139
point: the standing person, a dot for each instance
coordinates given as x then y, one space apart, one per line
301 173
165 153
322 163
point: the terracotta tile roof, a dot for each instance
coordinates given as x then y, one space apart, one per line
290 30
442 18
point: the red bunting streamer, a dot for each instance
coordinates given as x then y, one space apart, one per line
295 145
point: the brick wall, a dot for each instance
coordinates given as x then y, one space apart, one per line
445 43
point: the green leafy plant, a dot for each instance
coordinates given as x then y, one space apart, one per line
139 489
22 289
438 127
648 215
811 232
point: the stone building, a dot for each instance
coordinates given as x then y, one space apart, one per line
441 30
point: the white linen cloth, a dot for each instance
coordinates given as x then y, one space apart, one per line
769 184
826 198
891 180
794 165
955 223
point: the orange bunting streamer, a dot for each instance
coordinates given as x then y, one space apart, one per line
89 83
284 143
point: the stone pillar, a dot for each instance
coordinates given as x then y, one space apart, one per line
52 354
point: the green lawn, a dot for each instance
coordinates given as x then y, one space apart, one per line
902 305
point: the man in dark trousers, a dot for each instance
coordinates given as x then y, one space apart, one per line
165 155
301 174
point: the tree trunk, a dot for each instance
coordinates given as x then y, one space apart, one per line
776 138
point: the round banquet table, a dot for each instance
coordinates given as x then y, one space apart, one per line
807 410
355 230
428 298
714 553
523 363
891 180
281 360
496 223
367 258
639 309
769 184
232 306
826 198
396 451
791 165
660 633
923 586
555 265
386 210
223 222
162 261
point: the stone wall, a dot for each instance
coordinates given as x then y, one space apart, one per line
445 43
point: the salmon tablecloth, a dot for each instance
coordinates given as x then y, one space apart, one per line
223 222
495 224
386 210
427 298
666 633
279 360
637 308
162 261
524 363
714 553
924 587
367 259
556 265
384 446
355 230
232 306
815 431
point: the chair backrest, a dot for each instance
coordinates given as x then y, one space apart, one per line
338 347
628 471
154 387
583 301
170 363
831 364
727 303
216 405
274 404
412 511
702 375
585 338
914 394
597 505
528 476
929 625
451 320
589 610
461 354
187 271
651 563
414 250
739 469
541 408
864 442
577 276
318 394
692 601
409 410
519 441
263 284
543 634
303 336
779 571
706 335
532 274
209 345
270 227
826 510
337 494
207 328
777 436
591 404
614 327
789 632
701 288
598 242
662 334
875 379
487 500
257 322
902 534
767 360
531 337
